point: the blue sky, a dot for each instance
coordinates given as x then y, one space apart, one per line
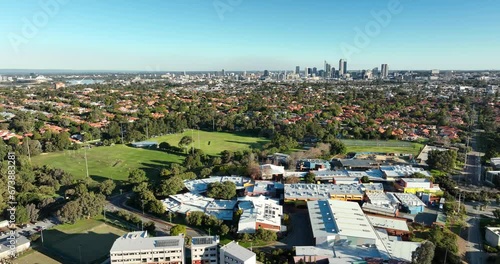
247 34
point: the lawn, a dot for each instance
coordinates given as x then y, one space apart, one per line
385 146
219 141
90 238
115 162
35 257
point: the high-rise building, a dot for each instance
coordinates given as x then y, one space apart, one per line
384 71
375 72
204 249
327 70
315 71
297 69
266 73
223 73
332 72
341 67
305 71
345 68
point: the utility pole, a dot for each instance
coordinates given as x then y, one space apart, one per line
86 163
28 146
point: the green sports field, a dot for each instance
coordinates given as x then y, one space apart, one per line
219 141
35 257
91 238
115 162
387 146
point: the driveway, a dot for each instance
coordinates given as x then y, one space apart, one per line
300 233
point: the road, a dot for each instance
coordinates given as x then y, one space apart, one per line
475 253
119 202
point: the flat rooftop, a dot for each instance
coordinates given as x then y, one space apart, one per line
332 217
320 191
201 185
238 251
205 241
409 199
137 241
388 223
402 171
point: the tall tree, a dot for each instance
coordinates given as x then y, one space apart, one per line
424 254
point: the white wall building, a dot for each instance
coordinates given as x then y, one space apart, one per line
204 250
137 247
259 212
232 253
493 236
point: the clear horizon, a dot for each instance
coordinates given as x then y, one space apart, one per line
238 35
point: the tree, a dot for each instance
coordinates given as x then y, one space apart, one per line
22 215
70 212
424 254
365 179
337 147
177 230
185 142
310 177
171 186
496 213
265 235
106 187
442 160
33 212
137 176
292 179
225 190
195 218
224 229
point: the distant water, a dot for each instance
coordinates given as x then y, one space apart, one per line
84 82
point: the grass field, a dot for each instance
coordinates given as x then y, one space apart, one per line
93 237
35 257
219 141
116 161
387 146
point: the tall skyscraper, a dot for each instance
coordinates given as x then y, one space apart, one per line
223 73
327 70
345 67
332 73
266 73
297 69
384 71
315 71
341 67
305 72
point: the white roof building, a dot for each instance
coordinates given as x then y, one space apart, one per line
204 249
191 202
398 171
333 220
259 212
409 200
137 247
388 223
311 191
201 185
232 253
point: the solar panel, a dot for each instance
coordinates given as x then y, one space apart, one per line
166 243
202 240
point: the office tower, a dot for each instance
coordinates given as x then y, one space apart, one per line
266 73
341 67
345 67
315 71
305 71
223 73
297 69
375 72
332 72
327 70
309 71
384 71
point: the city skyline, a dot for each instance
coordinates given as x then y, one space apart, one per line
248 35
